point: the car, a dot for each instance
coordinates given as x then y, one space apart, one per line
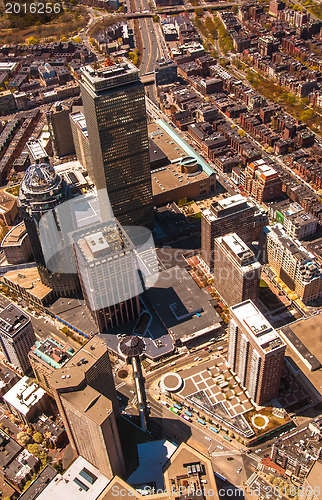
196 359
207 438
239 470
230 458
220 447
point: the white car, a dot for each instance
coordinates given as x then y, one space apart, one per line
220 447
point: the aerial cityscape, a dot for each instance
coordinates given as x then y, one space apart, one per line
161 249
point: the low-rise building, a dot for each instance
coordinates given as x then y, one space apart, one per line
297 451
46 356
16 245
25 399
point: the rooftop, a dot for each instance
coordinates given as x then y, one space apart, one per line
24 395
256 325
52 352
15 236
184 309
238 249
90 403
12 320
30 280
80 478
107 76
80 120
73 373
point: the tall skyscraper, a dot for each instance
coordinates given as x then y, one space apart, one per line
60 129
255 352
114 108
86 398
230 215
16 337
107 269
236 270
41 190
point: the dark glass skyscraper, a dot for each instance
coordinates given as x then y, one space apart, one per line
114 108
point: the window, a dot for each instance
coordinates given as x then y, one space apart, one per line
81 484
88 475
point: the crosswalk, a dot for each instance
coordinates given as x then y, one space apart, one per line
118 386
226 453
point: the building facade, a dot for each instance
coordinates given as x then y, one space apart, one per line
60 129
294 264
255 352
16 337
85 394
230 215
16 245
114 108
236 270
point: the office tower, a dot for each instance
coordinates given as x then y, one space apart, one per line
236 270
106 263
262 182
41 190
16 337
114 108
293 264
255 352
60 129
86 398
81 142
46 356
230 215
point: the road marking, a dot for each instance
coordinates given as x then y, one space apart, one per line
120 385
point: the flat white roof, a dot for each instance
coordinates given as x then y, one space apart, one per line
231 201
24 395
65 487
235 243
254 322
97 243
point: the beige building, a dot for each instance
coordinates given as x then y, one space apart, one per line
86 398
27 284
8 208
16 245
294 265
236 270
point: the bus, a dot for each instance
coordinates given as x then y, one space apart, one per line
201 421
214 429
175 411
227 438
188 413
179 407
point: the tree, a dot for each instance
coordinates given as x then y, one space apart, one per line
234 9
199 12
64 39
38 437
23 438
32 40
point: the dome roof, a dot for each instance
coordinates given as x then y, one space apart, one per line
39 177
131 345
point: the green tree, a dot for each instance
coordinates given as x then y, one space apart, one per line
23 438
32 40
199 12
38 437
